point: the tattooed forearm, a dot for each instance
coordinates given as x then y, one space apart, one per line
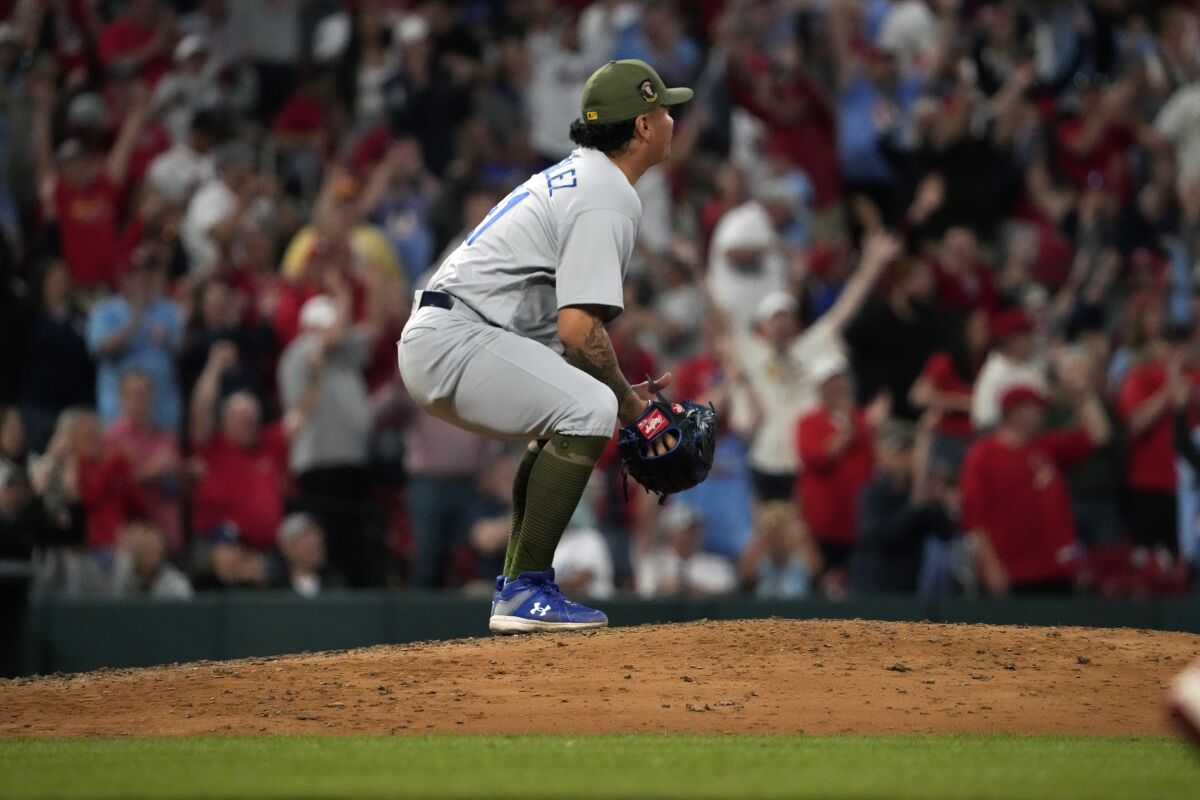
594 355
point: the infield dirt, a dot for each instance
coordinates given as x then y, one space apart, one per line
762 676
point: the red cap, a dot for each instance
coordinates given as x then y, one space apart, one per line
1014 396
1010 322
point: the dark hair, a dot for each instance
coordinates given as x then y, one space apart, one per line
607 137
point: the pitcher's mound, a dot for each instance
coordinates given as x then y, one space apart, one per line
763 676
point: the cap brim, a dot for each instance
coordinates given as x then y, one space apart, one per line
676 96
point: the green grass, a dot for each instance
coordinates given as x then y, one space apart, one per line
634 766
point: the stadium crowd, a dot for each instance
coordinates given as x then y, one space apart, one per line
931 260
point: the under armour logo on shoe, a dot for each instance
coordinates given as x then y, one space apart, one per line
539 609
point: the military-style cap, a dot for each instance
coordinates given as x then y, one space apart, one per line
622 90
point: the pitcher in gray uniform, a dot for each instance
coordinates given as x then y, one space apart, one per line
508 339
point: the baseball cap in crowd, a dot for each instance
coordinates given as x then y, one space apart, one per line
826 366
317 313
9 34
123 69
622 90
783 189
1019 394
87 110
71 148
896 434
294 525
677 516
1010 322
224 532
777 302
193 44
233 154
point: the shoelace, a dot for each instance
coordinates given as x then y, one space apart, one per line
551 588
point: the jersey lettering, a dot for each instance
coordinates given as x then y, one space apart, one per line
558 178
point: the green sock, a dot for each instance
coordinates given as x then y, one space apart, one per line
520 486
556 483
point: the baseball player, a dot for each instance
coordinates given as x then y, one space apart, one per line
508 339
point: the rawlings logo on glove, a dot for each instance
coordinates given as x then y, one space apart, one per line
694 428
651 423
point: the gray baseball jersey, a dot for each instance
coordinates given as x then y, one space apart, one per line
492 363
563 237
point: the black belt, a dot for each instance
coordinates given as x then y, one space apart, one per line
439 299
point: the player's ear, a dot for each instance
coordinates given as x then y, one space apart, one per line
641 126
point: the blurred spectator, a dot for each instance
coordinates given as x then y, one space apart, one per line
1096 483
218 314
153 454
57 372
1014 360
271 34
21 519
899 510
490 514
141 567
138 329
834 441
725 498
80 188
964 280
140 38
221 560
1016 510
775 373
240 467
235 199
678 566
188 165
328 416
781 558
14 444
747 258
559 64
583 563
90 490
301 545
874 99
1183 403
893 336
202 84
1145 406
945 386
338 247
398 197
457 486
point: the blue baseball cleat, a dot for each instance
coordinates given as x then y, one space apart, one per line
533 602
496 593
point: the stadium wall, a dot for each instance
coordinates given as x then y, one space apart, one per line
77 635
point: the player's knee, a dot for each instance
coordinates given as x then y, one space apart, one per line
606 409
596 414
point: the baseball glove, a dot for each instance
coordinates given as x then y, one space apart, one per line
683 466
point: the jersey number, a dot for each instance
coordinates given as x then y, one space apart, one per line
498 211
556 178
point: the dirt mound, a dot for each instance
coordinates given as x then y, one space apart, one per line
763 676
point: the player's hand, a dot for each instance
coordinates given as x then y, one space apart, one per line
645 389
645 393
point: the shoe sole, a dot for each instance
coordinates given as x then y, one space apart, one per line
506 624
1184 701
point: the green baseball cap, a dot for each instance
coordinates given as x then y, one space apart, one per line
622 90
